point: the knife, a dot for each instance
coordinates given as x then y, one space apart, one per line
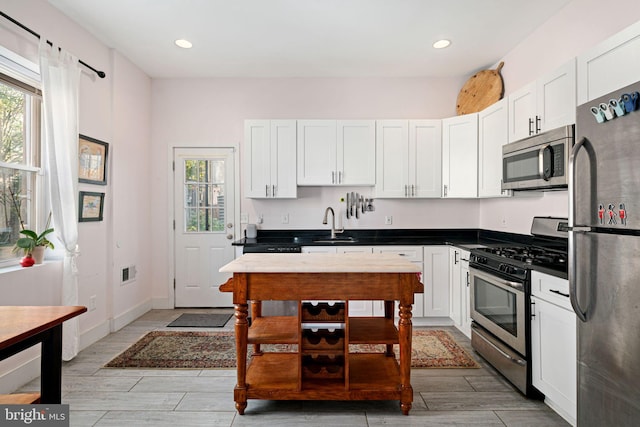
348 206
357 206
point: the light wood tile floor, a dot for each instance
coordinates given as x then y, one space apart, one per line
182 398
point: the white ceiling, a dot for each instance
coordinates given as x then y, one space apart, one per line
310 38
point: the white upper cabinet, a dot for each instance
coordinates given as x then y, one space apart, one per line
334 152
270 158
408 158
492 135
610 65
460 156
545 104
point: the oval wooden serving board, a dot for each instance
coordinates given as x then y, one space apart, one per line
481 90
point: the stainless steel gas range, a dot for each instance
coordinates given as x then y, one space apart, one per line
500 280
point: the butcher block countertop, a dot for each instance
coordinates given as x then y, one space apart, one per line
320 263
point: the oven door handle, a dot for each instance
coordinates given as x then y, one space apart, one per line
505 355
493 279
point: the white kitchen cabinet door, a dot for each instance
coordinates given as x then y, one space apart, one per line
436 281
553 358
392 158
460 156
547 103
465 287
356 152
425 158
493 132
556 97
317 151
610 65
455 295
522 112
270 158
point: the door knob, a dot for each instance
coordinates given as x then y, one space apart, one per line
229 236
230 225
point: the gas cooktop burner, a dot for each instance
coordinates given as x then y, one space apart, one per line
528 254
507 258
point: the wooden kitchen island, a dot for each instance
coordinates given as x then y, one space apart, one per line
320 365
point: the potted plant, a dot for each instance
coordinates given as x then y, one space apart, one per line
32 244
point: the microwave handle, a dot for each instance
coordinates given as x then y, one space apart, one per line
545 162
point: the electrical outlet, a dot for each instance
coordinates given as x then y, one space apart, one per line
244 218
388 220
92 303
503 222
285 219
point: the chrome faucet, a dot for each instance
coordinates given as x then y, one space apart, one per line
333 221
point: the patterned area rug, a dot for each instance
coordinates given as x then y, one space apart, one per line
215 350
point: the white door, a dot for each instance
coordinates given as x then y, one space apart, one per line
204 224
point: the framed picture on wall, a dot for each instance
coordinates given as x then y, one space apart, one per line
92 160
91 206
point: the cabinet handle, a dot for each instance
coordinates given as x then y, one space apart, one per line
273 190
445 191
413 191
266 191
533 309
538 121
468 279
455 257
530 126
333 177
340 177
555 291
406 191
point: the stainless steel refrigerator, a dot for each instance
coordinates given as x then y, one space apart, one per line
604 258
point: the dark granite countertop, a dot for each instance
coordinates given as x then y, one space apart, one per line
464 238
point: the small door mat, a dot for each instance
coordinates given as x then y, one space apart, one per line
201 320
215 350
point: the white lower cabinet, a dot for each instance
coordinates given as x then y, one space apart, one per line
410 253
460 298
553 344
436 282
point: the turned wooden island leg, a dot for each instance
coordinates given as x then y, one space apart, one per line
241 330
404 336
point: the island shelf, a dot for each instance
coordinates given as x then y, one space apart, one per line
316 363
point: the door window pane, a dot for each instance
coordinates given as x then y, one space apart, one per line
204 196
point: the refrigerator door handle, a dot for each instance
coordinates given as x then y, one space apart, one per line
582 315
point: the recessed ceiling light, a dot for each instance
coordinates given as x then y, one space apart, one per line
185 44
441 44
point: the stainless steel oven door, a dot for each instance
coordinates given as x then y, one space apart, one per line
498 305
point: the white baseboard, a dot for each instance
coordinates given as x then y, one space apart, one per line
130 315
93 335
19 376
432 321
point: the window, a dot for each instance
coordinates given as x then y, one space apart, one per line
20 130
204 195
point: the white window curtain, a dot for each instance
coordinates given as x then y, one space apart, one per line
60 86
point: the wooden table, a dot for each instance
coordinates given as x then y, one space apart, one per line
299 375
24 326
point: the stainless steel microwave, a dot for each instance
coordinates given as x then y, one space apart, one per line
539 162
